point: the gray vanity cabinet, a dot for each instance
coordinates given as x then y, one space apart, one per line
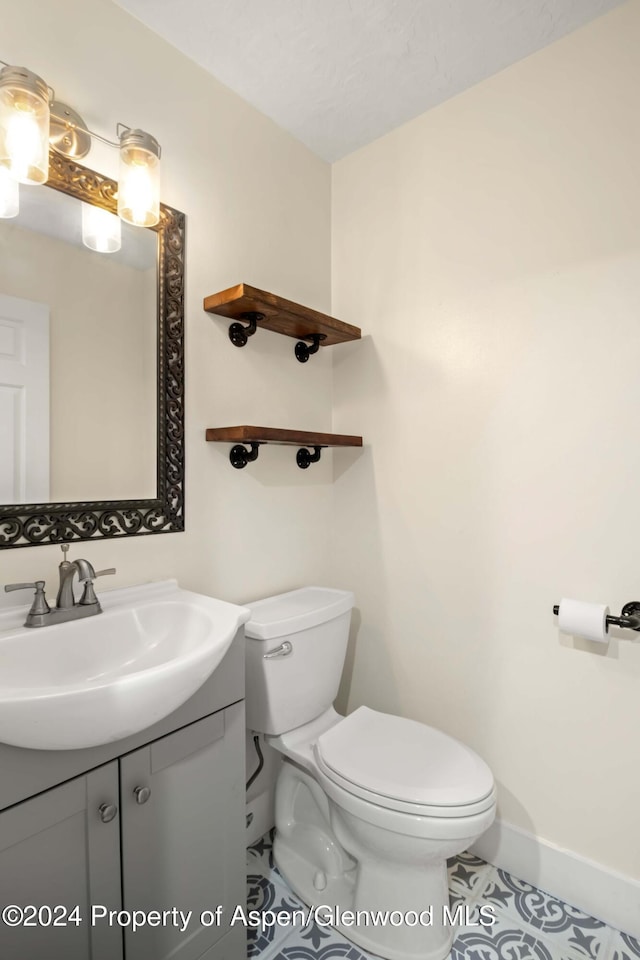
181 833
170 834
55 849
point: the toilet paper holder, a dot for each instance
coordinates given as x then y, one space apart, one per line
630 618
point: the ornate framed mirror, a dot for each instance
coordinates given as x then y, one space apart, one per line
91 367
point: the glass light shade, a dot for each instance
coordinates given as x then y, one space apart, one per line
9 195
101 230
139 179
24 125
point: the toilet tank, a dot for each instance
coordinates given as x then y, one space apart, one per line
308 630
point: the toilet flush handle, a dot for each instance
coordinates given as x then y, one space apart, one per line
284 650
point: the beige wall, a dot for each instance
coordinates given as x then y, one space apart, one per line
491 251
258 209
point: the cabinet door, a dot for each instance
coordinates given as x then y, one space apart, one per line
55 850
183 837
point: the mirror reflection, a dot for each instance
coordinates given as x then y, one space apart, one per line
78 353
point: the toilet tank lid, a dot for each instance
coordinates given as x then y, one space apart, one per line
294 611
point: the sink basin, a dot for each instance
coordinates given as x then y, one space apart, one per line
93 681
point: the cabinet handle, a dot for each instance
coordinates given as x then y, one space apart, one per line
142 794
108 812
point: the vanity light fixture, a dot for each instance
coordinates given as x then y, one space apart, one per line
24 125
139 179
31 121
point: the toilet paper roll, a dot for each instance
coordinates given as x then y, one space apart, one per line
584 619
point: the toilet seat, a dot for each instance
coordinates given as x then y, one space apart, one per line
404 765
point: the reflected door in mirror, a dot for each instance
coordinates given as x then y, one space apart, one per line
24 401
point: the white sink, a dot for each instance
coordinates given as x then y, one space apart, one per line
93 681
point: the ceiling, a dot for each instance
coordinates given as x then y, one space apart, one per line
337 74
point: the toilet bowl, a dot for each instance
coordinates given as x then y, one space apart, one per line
369 806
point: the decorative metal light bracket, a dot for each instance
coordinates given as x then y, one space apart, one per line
239 334
68 133
240 456
303 351
304 458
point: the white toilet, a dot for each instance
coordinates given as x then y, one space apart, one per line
370 806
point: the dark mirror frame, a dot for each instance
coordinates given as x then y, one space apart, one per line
28 525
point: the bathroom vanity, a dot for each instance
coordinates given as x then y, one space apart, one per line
151 822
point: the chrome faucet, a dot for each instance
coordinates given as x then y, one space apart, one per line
66 608
68 569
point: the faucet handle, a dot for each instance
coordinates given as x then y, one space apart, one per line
10 587
39 605
88 594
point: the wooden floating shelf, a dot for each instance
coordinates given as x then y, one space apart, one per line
299 438
255 436
267 310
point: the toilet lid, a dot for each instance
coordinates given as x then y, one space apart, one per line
403 760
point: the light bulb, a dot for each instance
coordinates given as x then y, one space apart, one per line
101 230
9 195
137 193
24 125
23 144
139 180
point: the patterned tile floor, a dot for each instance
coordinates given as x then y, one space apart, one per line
530 924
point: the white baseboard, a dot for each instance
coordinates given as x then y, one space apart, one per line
600 892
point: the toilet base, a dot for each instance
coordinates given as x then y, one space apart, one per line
429 941
314 862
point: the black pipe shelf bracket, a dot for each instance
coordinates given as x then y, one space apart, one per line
239 334
304 457
240 456
303 351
